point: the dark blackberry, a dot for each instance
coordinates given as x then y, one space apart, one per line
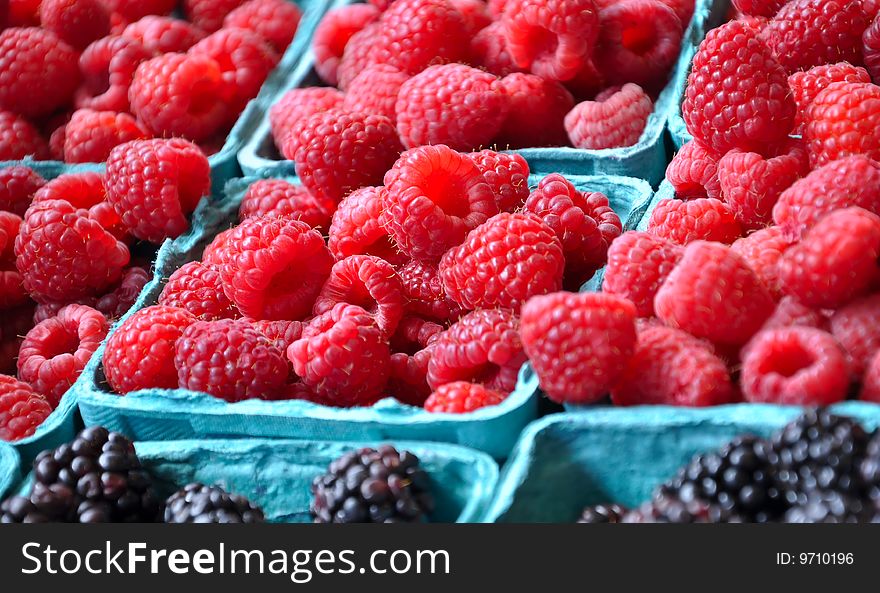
602 513
870 468
198 503
667 507
830 507
373 486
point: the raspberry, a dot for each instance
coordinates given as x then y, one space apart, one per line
843 119
162 34
133 11
835 261
475 14
752 184
63 255
108 66
508 176
806 85
424 292
871 47
19 139
116 303
671 367
209 14
762 251
434 196
766 8
504 262
332 35
414 334
84 191
407 381
701 219
368 282
196 287
639 41
375 91
712 293
338 152
807 33
22 410
78 22
583 221
91 135
552 38
18 185
576 366
871 381
790 312
615 121
482 347
276 197
343 356
34 61
737 94
450 104
140 351
357 55
693 172
856 327
536 112
276 21
55 352
489 51
273 268
638 263
281 333
794 366
12 293
461 397
297 105
230 360
359 227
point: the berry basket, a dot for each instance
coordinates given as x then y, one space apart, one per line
153 414
9 468
565 462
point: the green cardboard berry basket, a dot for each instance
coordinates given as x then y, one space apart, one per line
164 414
9 469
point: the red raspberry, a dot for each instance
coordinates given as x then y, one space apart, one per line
712 293
507 174
762 251
843 119
639 41
617 120
45 311
22 410
297 105
108 66
359 227
871 381
807 33
91 135
230 360
451 104
116 303
752 184
434 196
414 334
583 221
276 197
133 11
375 90
12 293
273 268
368 282
209 14
338 152
552 38
424 292
276 21
63 255
140 351
489 51
702 219
856 327
19 139
162 34
790 312
536 113
78 22
279 332
197 287
475 14
343 356
154 185
357 55
333 34
835 261
693 172
55 352
482 347
576 366
638 263
33 62
766 8
408 382
794 366
806 85
18 185
737 94
871 46
461 397
85 191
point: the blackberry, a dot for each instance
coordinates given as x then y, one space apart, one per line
830 507
373 486
198 503
869 469
667 507
602 513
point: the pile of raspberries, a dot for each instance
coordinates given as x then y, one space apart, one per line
75 254
79 77
472 74
414 294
